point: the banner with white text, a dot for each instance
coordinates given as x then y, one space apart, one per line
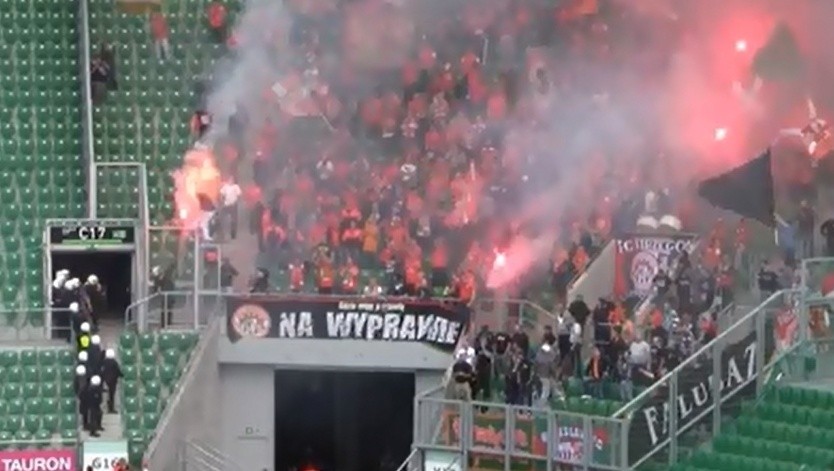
435 322
640 257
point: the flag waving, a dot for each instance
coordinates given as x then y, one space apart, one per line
746 190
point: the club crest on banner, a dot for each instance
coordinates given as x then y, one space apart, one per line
640 257
251 321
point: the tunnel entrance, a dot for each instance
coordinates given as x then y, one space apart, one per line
345 421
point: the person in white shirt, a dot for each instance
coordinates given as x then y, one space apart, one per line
229 195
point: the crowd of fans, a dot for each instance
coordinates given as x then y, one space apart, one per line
422 170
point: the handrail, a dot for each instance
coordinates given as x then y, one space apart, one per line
404 466
579 276
87 105
147 299
694 357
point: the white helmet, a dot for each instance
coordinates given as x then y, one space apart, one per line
92 280
110 353
82 356
95 380
62 274
80 370
95 340
156 271
74 308
85 326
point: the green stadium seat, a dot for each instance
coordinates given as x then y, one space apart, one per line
8 358
23 435
130 372
34 406
148 373
171 357
66 389
148 357
133 421
131 404
153 388
150 420
68 421
31 374
130 388
11 390
66 372
150 404
66 357
13 423
68 405
31 389
127 356
146 341
168 374
43 438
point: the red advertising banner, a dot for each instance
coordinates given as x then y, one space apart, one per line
40 460
640 257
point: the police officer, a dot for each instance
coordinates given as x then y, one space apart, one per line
111 372
95 355
83 340
93 400
97 296
80 385
83 356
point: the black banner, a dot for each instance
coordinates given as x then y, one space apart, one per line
439 323
650 423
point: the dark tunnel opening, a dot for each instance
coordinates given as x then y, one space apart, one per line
345 421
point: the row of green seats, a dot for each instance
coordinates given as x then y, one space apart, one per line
796 415
778 431
806 397
775 450
41 357
38 405
727 462
37 5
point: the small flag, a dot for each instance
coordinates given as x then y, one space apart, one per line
746 190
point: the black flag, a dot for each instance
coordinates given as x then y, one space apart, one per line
780 59
746 190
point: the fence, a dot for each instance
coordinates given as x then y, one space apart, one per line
173 309
686 408
488 436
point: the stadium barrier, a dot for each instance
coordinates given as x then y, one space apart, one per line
490 436
191 421
679 412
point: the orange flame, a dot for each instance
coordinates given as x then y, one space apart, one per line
198 175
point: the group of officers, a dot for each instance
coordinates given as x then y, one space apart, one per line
96 367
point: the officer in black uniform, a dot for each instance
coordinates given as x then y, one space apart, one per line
111 372
93 399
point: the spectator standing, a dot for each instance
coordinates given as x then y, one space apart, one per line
806 220
462 377
216 15
159 34
547 370
229 196
827 232
99 78
595 373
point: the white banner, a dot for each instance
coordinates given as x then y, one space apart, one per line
104 455
441 461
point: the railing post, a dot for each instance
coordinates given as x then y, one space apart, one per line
803 315
552 446
587 442
760 320
717 379
509 434
197 278
673 419
625 426
87 105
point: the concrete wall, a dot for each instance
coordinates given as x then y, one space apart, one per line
248 411
193 413
248 394
352 354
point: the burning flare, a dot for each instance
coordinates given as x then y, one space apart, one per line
196 183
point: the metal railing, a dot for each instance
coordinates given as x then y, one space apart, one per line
87 106
686 408
174 310
487 432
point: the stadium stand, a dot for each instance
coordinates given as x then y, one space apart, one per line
146 119
791 428
38 399
40 138
152 364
